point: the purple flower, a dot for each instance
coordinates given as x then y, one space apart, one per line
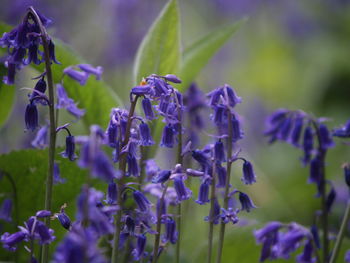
52 52
346 168
203 195
142 202
40 140
296 131
290 241
11 72
102 167
112 193
91 70
161 177
151 168
219 151
347 256
141 90
315 171
215 215
330 198
31 117
138 252
168 136
221 175
145 134
343 132
237 133
325 137
133 166
201 158
172 78
306 256
6 210
246 203
229 215
78 76
10 241
64 220
248 173
170 231
147 109
63 101
307 144
112 134
57 179
183 193
40 86
43 213
70 148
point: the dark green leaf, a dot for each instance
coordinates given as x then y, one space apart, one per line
199 53
159 51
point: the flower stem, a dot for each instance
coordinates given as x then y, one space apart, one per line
120 183
227 185
52 145
179 161
159 227
211 215
341 233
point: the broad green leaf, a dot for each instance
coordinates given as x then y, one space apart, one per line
28 169
7 97
159 51
197 55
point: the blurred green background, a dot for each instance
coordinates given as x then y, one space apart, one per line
292 54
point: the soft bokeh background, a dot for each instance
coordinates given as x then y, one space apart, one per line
292 54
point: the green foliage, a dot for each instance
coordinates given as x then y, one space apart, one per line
159 51
7 96
29 174
197 55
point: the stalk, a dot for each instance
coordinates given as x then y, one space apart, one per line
227 185
341 233
122 168
179 161
159 227
51 105
211 217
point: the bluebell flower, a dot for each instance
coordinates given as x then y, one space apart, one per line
70 148
102 167
286 128
346 168
183 193
57 179
6 210
219 151
130 225
325 137
10 241
141 90
307 144
91 70
77 244
168 137
79 76
151 168
148 109
145 134
63 101
229 215
296 131
161 207
172 78
347 256
52 52
290 241
221 175
330 198
315 235
161 177
43 213
201 158
112 193
41 139
139 251
64 220
33 52
170 231
315 171
31 117
164 103
133 166
11 72
203 194
142 202
215 215
248 173
343 132
307 255
40 88
246 203
237 133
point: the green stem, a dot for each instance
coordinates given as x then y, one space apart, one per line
341 233
120 183
179 161
227 186
211 215
52 144
159 227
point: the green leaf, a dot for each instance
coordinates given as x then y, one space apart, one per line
7 95
197 55
159 51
